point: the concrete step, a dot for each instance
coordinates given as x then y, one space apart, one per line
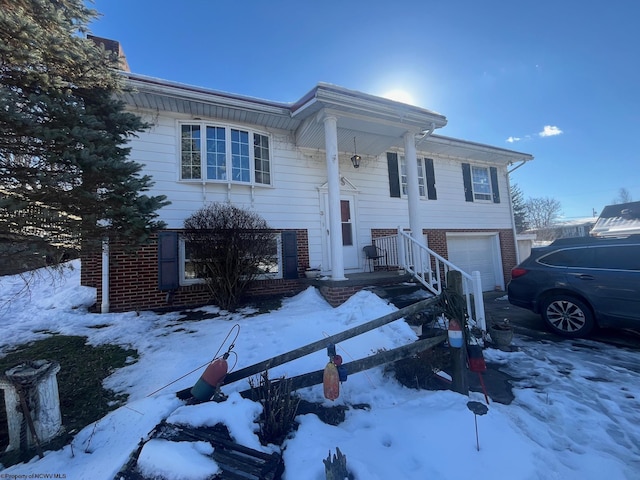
401 294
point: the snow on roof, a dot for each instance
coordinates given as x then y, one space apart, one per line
619 219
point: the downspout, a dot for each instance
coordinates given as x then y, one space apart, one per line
513 218
509 172
104 306
425 133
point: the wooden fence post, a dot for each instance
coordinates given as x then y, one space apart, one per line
460 382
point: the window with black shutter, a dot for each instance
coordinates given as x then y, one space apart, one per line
398 177
480 183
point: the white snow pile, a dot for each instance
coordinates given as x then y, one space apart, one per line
575 415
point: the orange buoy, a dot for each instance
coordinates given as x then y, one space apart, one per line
211 379
215 371
331 382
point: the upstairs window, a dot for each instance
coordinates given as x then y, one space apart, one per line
403 176
398 176
480 183
218 153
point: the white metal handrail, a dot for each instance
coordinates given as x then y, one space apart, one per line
432 268
389 245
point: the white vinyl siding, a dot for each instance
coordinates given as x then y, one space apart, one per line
294 201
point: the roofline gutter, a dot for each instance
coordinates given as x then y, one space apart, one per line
188 92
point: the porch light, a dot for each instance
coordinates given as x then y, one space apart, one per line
356 158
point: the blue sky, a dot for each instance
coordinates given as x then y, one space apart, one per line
559 79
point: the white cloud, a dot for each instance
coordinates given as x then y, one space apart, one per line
513 139
550 131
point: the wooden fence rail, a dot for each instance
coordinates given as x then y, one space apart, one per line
320 344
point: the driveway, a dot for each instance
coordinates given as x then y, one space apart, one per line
525 322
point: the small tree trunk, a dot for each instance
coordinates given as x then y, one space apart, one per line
336 468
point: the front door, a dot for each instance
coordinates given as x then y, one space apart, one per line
348 233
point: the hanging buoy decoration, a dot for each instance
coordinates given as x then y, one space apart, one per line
331 381
211 379
455 334
330 376
342 370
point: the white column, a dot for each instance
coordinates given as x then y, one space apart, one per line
413 197
333 184
413 188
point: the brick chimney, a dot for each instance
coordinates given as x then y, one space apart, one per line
112 46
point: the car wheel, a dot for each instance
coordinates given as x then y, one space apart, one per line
567 316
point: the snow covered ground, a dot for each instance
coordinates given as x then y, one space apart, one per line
576 412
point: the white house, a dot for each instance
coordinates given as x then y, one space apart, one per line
292 164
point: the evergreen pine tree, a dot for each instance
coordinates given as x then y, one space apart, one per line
64 171
519 209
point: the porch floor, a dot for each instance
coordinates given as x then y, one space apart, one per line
362 279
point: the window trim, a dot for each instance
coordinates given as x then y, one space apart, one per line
229 155
402 174
487 196
467 182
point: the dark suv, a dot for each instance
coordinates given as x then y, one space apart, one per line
577 284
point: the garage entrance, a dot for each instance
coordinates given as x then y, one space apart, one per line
481 252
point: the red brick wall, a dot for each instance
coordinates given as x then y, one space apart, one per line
508 251
383 232
133 279
336 296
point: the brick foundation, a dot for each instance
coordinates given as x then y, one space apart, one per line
134 277
133 280
336 296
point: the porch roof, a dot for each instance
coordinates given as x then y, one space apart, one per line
377 124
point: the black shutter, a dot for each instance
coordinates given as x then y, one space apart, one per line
168 259
394 175
431 179
289 254
494 184
466 178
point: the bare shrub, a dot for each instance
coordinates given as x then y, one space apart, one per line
228 247
280 406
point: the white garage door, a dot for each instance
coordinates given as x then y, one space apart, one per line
479 253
